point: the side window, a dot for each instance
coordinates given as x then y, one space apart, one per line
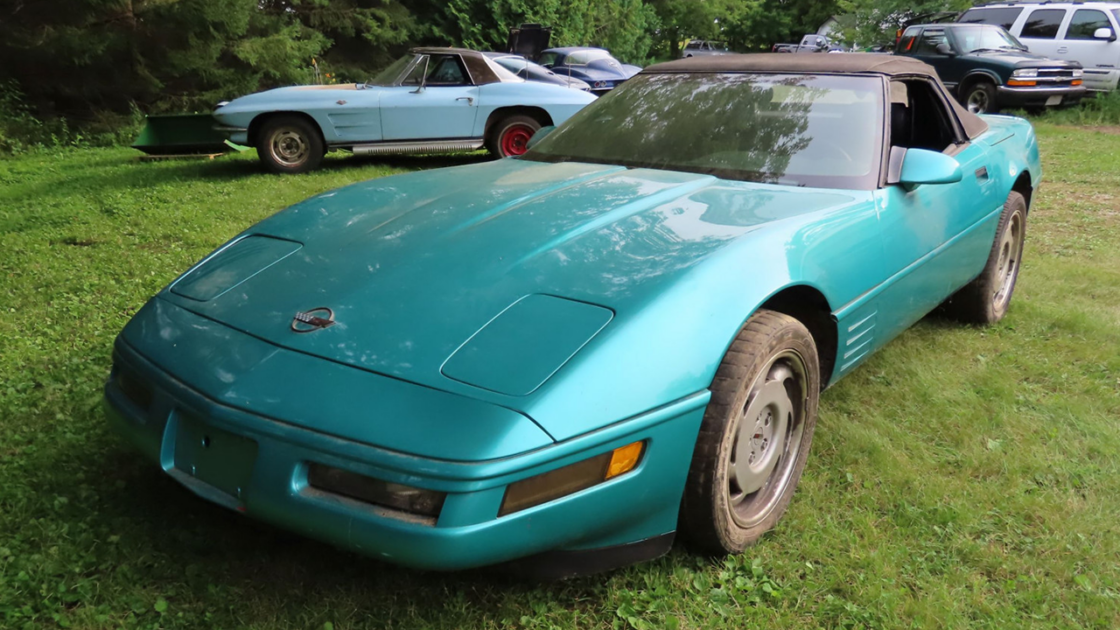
692 46
1043 24
930 40
1085 22
417 72
1003 17
907 41
548 60
919 118
446 70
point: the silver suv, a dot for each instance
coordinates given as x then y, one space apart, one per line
1084 32
702 48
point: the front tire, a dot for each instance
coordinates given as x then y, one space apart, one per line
289 144
986 299
755 436
980 98
509 137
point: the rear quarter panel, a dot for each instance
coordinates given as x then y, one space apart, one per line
560 102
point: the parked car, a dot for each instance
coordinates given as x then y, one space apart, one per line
530 71
1084 32
593 65
431 100
988 69
567 357
817 44
702 48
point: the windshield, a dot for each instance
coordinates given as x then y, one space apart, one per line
514 64
390 75
584 57
790 129
970 38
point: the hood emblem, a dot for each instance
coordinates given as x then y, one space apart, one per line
312 320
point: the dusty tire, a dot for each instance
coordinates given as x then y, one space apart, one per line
510 136
770 370
980 98
986 299
289 144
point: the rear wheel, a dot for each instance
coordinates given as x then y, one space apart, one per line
289 144
980 98
510 136
986 299
755 436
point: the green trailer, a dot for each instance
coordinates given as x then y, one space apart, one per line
182 134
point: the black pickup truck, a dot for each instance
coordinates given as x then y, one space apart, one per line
988 69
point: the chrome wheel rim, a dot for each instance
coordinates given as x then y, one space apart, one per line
289 147
1007 268
978 102
767 439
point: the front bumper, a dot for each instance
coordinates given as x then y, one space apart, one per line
263 464
1039 96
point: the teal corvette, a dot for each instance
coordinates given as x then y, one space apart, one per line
559 361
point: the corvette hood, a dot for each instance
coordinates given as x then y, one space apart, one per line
412 266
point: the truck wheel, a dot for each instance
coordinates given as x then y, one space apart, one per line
755 435
510 136
985 300
289 144
980 98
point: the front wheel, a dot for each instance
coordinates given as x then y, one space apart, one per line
755 435
289 144
509 137
980 98
986 299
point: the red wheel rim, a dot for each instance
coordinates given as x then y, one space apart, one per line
515 140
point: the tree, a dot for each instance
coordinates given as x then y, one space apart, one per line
877 21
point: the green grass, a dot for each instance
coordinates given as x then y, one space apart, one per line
963 477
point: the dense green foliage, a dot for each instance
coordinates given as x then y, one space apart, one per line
963 478
100 64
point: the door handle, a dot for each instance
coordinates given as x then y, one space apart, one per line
468 99
1063 50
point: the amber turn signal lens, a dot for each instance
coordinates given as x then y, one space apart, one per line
1076 82
625 458
1019 83
570 479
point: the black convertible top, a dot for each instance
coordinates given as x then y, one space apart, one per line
812 63
480 71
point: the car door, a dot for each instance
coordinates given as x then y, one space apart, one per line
1039 32
925 48
935 235
438 101
1077 43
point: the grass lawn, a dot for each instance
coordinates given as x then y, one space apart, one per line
963 477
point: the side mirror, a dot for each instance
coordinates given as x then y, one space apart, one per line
944 49
1104 33
921 166
539 135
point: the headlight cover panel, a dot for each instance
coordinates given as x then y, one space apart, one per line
232 265
528 342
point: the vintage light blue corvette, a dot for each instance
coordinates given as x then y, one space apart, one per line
561 360
431 100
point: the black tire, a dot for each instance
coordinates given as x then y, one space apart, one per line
718 514
289 144
986 299
501 145
979 97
